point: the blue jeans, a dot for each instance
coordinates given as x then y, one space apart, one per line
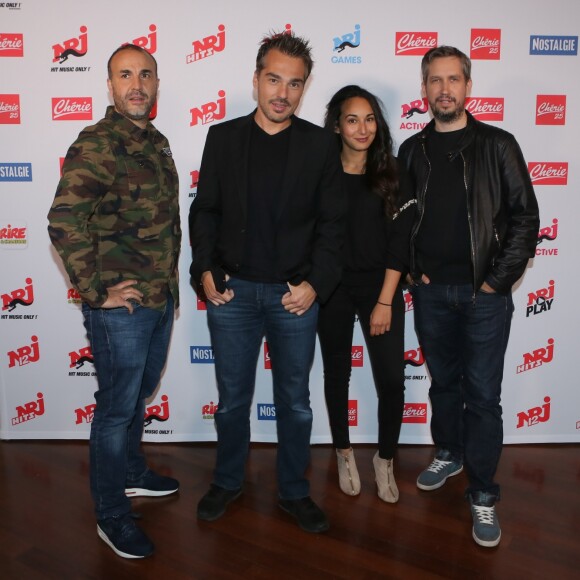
129 353
464 343
237 329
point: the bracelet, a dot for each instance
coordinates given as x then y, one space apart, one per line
383 303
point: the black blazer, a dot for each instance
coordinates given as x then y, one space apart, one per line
312 204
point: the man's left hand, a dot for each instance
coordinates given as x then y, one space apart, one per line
299 299
485 287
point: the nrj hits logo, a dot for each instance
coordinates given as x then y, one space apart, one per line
210 112
29 353
535 415
29 411
537 358
19 297
208 46
541 300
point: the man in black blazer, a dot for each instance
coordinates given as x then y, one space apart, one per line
266 230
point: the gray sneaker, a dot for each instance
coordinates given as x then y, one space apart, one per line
442 467
486 530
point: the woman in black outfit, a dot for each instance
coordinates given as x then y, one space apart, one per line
380 214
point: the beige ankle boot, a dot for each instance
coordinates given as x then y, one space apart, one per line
348 478
385 479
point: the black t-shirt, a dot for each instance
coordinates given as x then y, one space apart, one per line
443 240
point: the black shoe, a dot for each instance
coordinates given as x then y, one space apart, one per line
308 515
124 537
214 503
151 485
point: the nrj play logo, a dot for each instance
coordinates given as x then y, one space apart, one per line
541 300
208 46
30 410
18 297
537 357
535 415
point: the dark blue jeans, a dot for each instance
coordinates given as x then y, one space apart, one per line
237 329
129 353
464 343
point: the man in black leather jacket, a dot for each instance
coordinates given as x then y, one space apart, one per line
476 227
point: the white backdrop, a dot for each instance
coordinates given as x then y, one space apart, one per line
525 79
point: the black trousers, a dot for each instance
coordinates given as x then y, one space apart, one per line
335 332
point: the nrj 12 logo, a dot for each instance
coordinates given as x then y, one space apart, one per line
24 355
210 112
535 415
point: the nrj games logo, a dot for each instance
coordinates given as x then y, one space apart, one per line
30 410
210 112
349 40
29 353
208 46
541 300
537 358
535 415
18 297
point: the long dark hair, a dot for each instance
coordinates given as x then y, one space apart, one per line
382 174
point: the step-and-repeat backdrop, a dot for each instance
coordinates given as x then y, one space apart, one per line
53 55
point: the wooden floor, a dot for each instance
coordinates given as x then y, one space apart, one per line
47 529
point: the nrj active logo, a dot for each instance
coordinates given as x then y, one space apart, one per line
208 411
11 44
548 173
210 112
72 108
417 107
266 412
357 356
485 43
24 355
548 234
485 108
148 42
14 236
19 297
10 109
78 359
541 300
30 410
349 40
415 413
208 45
554 45
414 43
76 47
15 171
201 354
550 109
537 358
535 415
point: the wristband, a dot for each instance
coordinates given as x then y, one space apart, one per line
383 303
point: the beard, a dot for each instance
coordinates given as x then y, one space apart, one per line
447 116
135 113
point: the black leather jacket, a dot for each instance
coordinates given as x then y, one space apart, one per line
501 205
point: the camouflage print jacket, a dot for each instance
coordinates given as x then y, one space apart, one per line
115 215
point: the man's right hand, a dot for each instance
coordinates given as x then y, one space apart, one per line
120 295
411 282
210 291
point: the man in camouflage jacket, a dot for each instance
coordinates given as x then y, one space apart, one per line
115 223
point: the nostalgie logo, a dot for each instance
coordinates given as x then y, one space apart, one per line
554 45
157 412
210 112
14 236
548 173
78 359
15 171
19 297
485 43
30 410
76 46
85 414
357 356
266 412
350 40
208 46
353 413
551 110
10 109
11 44
485 108
415 413
538 357
201 355
148 42
414 43
27 354
548 234
535 415
72 108
414 357
541 300
417 107
408 300
194 175
208 411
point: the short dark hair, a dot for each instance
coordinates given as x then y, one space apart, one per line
129 47
443 51
287 43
